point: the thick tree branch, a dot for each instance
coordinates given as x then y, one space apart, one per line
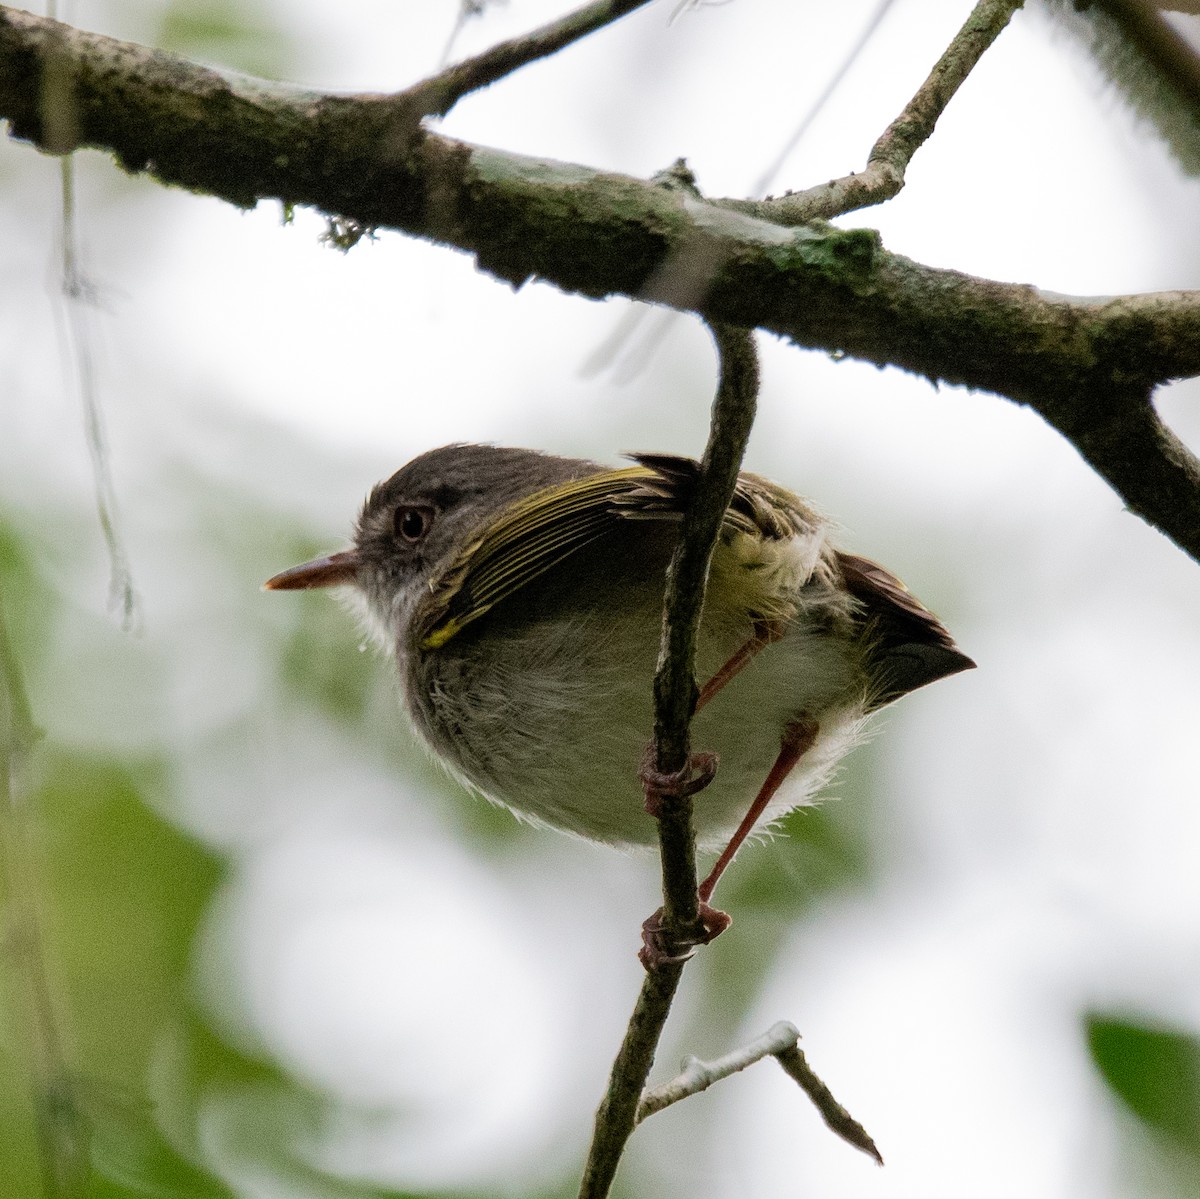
674 700
1088 366
583 230
891 154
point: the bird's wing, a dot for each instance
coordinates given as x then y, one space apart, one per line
531 537
535 534
759 507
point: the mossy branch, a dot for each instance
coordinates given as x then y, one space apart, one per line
1089 366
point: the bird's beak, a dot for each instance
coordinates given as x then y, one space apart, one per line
332 571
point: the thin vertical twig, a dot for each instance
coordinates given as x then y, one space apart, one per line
674 700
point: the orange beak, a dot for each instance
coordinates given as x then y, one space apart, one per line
333 571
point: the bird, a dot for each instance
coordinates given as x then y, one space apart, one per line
520 596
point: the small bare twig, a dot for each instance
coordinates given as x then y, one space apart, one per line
835 1116
831 86
696 271
780 1041
674 698
438 94
891 154
696 1076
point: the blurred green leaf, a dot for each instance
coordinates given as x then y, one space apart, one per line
1154 1071
20 1167
126 892
99 976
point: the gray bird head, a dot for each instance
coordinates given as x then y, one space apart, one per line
413 523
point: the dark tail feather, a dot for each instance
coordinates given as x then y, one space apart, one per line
909 646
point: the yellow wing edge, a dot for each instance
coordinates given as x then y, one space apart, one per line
524 541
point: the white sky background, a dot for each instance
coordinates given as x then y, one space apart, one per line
1039 847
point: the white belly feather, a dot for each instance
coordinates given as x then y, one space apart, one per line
551 720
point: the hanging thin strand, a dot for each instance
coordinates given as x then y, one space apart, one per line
79 295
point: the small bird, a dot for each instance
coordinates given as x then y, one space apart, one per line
521 596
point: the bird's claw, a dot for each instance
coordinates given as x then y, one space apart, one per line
658 950
698 771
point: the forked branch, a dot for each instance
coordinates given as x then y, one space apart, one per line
891 154
782 1042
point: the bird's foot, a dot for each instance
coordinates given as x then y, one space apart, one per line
698 771
659 949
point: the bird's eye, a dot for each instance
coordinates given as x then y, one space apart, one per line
411 522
